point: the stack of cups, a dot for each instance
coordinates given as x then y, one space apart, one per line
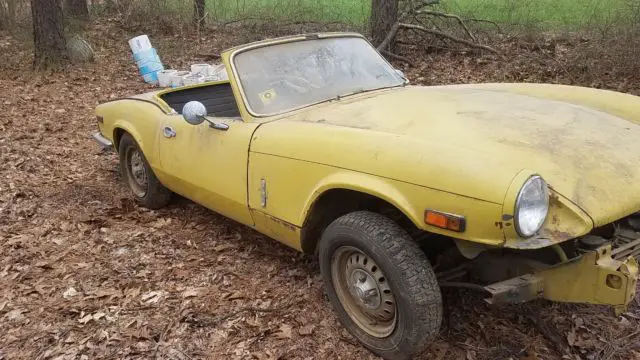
146 58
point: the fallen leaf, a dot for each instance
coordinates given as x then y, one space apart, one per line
15 314
151 297
224 247
571 337
441 349
236 295
85 319
192 292
306 330
69 293
284 332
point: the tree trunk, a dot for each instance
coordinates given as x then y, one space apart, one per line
77 9
8 14
199 13
48 33
384 13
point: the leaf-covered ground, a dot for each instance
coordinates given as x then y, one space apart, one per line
86 274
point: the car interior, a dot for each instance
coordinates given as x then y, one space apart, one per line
217 98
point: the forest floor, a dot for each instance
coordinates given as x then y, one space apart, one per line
86 274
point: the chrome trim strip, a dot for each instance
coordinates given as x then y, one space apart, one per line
105 143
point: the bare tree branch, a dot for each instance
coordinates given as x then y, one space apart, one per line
397 57
448 37
450 16
387 40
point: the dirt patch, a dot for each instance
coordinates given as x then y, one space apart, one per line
86 274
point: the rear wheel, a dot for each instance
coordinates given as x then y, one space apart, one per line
381 284
144 185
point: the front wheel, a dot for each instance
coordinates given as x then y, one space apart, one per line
147 189
381 284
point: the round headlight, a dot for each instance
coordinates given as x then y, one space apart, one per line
532 206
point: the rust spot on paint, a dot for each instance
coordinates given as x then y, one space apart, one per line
280 223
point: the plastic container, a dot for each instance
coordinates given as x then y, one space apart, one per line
150 67
201 69
192 79
148 62
139 44
176 78
149 53
151 78
218 72
164 77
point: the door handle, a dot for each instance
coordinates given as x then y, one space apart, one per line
168 132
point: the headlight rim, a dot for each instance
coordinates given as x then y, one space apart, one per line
516 212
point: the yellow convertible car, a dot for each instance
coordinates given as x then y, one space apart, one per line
521 191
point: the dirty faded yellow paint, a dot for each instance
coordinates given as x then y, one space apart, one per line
461 149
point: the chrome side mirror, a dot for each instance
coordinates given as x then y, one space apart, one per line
194 112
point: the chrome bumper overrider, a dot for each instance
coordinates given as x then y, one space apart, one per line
103 141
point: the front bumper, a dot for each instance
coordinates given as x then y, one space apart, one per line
594 278
105 143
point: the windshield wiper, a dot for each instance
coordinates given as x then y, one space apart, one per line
340 96
359 91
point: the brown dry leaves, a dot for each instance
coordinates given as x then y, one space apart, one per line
85 274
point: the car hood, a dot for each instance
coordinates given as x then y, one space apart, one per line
588 156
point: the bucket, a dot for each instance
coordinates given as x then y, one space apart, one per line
139 44
176 78
201 69
192 79
164 77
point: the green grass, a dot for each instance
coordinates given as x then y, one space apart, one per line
544 14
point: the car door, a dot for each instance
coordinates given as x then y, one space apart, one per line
207 165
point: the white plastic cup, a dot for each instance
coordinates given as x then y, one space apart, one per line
176 78
192 79
164 77
201 69
219 72
140 43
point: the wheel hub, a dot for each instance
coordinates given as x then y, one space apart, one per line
137 169
364 291
136 172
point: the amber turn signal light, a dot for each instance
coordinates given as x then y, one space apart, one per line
444 220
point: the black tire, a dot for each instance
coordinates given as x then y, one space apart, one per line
150 194
409 276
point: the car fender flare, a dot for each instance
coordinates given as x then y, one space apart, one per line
364 183
128 127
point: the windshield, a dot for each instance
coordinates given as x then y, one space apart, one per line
282 77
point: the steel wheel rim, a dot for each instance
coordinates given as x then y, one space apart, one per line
364 291
136 172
